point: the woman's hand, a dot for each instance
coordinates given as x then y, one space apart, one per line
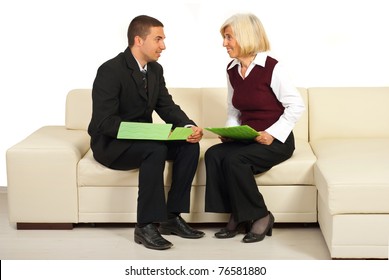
264 138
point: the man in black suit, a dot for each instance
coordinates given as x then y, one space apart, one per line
129 88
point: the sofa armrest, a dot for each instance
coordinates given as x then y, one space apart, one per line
42 175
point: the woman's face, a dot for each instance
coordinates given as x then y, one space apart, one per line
230 43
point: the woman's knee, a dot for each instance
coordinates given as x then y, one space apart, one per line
212 153
233 159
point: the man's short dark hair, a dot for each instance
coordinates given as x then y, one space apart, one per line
140 26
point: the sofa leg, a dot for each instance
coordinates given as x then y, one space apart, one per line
44 225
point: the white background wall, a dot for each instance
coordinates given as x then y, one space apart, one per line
49 47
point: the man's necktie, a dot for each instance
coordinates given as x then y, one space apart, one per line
144 72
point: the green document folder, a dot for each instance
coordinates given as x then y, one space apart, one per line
241 132
152 131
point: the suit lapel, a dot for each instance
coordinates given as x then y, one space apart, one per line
137 76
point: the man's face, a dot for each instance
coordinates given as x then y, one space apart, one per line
153 45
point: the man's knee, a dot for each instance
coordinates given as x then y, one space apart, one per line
157 150
191 148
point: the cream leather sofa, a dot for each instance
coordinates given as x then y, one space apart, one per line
53 180
349 133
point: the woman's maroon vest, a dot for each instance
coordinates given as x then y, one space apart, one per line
253 96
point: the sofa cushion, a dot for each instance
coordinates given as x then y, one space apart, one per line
352 175
92 173
298 170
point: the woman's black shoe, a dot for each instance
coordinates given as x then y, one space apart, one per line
243 227
255 237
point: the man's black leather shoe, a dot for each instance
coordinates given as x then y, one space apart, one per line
150 237
179 227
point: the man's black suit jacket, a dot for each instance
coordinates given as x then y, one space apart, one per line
119 95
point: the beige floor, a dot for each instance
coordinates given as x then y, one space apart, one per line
116 243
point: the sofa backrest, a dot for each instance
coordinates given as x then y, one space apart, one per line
214 106
206 106
189 99
211 110
301 129
78 110
348 112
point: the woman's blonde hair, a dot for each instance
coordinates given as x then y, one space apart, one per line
249 33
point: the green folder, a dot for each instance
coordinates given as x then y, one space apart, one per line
152 131
180 133
241 132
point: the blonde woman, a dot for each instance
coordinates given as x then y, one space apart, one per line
259 95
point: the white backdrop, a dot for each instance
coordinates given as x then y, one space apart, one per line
49 47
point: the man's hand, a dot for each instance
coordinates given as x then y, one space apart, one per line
196 136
